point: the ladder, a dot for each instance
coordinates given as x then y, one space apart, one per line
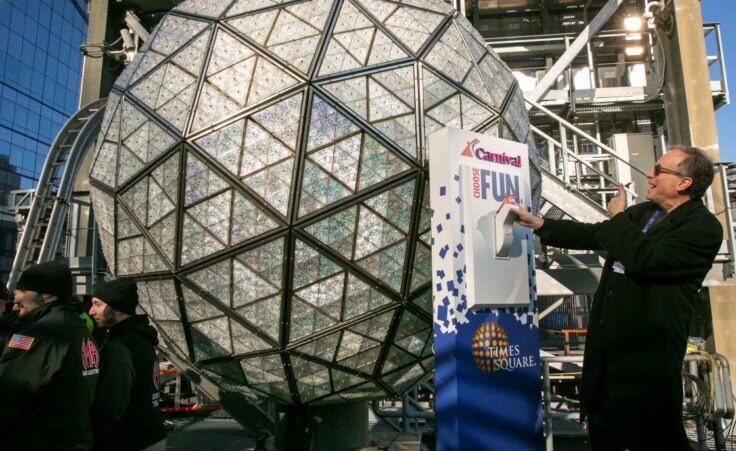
44 224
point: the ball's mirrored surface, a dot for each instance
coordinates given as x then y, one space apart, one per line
261 172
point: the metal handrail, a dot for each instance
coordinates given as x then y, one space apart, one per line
582 134
720 57
730 238
579 160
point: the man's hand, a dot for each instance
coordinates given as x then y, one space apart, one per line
618 203
526 219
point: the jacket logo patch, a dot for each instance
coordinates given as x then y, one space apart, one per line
90 358
21 342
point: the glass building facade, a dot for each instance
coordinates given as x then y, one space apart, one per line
40 76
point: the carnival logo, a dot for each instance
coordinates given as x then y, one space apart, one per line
493 351
472 150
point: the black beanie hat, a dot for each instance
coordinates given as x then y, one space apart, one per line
47 278
120 294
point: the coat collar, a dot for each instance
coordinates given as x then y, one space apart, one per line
680 212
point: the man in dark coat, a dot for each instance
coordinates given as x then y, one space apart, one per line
48 366
658 253
126 415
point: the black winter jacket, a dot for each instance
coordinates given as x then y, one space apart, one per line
126 414
48 373
640 320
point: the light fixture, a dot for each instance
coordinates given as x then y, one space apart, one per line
634 51
632 23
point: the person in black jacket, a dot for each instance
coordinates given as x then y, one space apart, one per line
658 255
48 367
126 415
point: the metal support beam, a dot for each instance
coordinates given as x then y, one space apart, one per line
549 79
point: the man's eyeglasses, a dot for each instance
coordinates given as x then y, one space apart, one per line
658 169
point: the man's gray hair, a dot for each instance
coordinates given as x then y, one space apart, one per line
698 167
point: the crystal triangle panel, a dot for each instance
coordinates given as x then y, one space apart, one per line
340 160
306 320
248 220
414 343
162 298
378 163
422 272
249 286
375 327
291 33
173 33
438 6
387 265
175 332
395 205
311 265
449 55
405 378
361 298
201 181
244 340
356 42
197 307
197 241
385 100
312 379
136 199
261 149
256 26
396 358
498 77
215 280
265 260
105 163
373 233
473 39
364 361
282 119
413 26
362 392
516 116
210 9
342 380
273 184
159 203
212 107
326 295
323 348
337 231
152 260
326 125
211 338
168 91
424 301
264 314
410 324
214 215
352 343
224 145
266 374
319 189
229 369
245 6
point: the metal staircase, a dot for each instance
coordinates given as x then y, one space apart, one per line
43 226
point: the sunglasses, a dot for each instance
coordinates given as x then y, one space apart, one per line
658 169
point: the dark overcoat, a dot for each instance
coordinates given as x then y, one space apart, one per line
640 320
